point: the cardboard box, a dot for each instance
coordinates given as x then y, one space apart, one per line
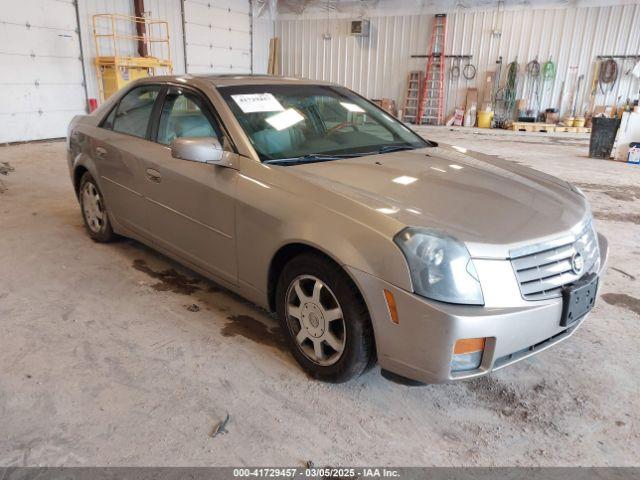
472 98
387 105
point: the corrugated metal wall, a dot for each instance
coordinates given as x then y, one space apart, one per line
168 10
377 66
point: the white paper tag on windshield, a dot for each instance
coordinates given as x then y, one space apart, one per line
257 102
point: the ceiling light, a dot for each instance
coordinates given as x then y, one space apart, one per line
257 182
438 169
404 180
456 167
387 211
352 107
284 119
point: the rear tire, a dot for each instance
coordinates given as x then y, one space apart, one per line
94 210
325 319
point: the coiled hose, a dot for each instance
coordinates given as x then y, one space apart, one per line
548 70
511 86
608 74
533 70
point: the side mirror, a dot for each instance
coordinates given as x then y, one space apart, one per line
203 150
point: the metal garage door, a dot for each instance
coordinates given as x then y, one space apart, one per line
41 79
217 36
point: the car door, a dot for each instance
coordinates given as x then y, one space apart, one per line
119 143
190 205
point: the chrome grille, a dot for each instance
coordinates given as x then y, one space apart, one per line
543 273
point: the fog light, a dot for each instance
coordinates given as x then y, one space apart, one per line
467 354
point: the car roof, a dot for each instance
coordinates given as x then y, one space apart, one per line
231 80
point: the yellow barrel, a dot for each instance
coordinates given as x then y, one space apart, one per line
484 118
579 122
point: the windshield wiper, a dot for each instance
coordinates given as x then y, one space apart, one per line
320 157
395 148
310 158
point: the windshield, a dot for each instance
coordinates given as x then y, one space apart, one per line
314 122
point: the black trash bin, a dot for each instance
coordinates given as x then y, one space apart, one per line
603 135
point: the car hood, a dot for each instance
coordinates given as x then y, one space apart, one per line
491 204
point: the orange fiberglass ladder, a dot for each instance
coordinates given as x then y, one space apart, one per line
431 110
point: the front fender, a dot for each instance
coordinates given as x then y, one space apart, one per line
271 214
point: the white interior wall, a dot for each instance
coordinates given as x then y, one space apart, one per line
263 29
41 81
377 66
218 36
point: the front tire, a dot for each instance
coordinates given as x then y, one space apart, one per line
326 322
94 210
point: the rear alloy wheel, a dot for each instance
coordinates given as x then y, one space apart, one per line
94 212
326 321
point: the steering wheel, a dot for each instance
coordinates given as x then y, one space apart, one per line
342 125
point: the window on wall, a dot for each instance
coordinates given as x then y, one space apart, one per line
132 114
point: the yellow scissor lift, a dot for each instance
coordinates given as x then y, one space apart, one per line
117 39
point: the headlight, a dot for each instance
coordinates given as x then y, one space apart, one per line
441 267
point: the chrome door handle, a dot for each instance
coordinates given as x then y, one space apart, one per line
153 175
101 152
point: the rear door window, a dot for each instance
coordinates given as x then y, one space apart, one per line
134 111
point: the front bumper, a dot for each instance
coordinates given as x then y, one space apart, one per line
420 346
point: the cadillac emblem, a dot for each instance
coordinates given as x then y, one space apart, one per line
577 263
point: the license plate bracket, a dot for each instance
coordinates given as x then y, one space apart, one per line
578 299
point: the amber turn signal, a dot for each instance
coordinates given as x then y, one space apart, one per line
469 345
391 305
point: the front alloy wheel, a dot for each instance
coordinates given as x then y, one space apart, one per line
325 319
315 318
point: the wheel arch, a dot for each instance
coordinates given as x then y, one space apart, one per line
287 252
81 164
78 172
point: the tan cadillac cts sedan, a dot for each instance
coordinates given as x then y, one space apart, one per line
371 243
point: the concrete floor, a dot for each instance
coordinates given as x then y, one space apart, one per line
115 355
